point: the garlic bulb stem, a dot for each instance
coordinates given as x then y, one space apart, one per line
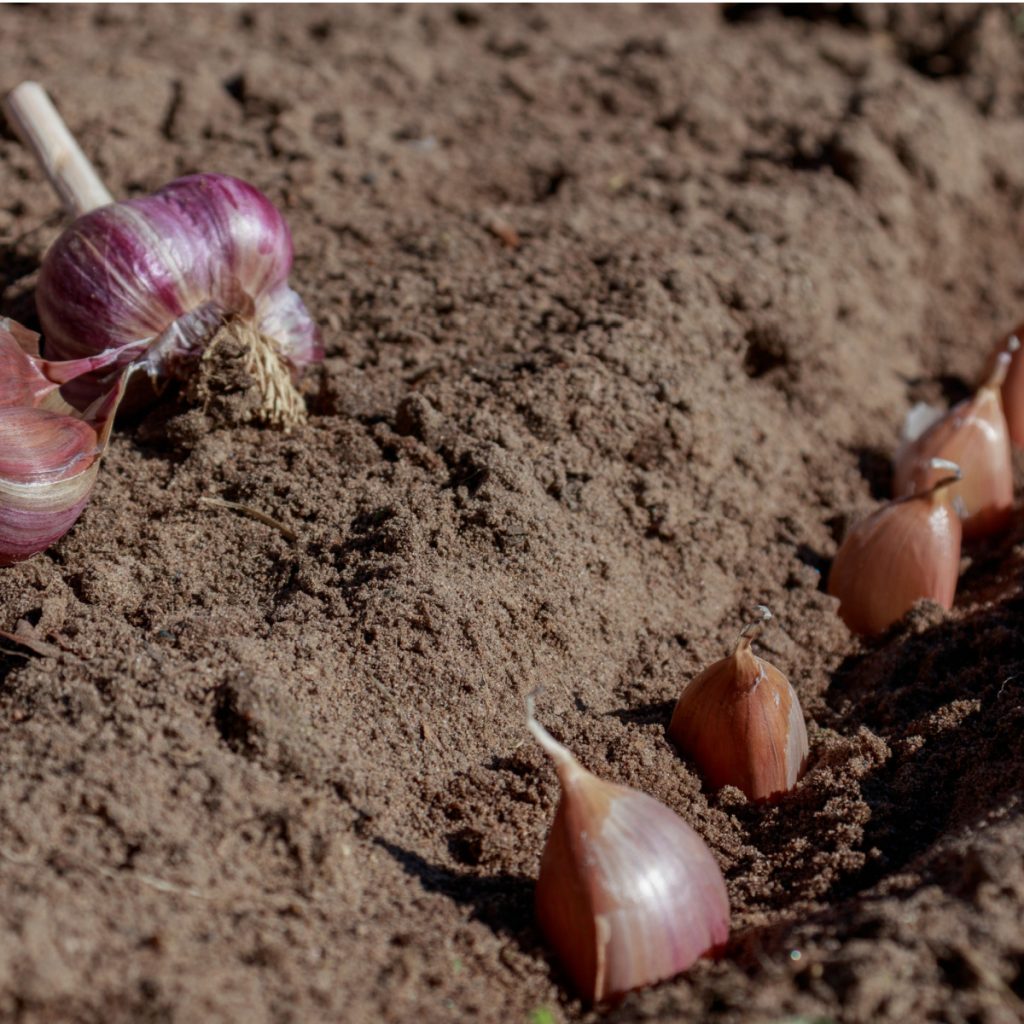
34 117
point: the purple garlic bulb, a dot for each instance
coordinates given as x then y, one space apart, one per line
155 279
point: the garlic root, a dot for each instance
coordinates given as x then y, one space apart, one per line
283 405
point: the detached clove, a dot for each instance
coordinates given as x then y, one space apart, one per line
741 722
975 436
628 894
154 279
904 552
49 451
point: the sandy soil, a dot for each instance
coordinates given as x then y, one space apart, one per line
623 309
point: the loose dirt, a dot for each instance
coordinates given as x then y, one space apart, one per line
623 308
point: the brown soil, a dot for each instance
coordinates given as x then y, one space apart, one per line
623 309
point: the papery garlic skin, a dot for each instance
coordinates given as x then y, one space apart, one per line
166 271
973 434
741 722
904 552
49 453
628 894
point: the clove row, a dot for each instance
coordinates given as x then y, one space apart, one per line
953 483
628 893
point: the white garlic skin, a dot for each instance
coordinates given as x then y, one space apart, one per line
628 894
159 275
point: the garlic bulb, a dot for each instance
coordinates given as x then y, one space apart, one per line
906 551
49 452
628 894
156 278
740 721
974 435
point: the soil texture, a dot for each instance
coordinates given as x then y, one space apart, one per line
623 309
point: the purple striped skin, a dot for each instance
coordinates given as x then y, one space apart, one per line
49 454
24 534
162 273
39 446
628 894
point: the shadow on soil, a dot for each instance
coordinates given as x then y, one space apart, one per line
504 903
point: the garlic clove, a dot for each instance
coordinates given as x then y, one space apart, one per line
161 275
974 435
49 453
1013 386
905 551
740 721
628 894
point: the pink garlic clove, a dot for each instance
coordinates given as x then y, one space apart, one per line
628 894
49 452
974 435
906 551
740 721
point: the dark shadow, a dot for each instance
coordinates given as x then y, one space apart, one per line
504 903
875 466
766 351
517 763
954 389
10 659
945 54
942 392
158 427
949 700
814 559
18 299
994 570
658 713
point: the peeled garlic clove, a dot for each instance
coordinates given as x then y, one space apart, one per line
904 552
740 721
155 279
974 435
628 894
49 452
